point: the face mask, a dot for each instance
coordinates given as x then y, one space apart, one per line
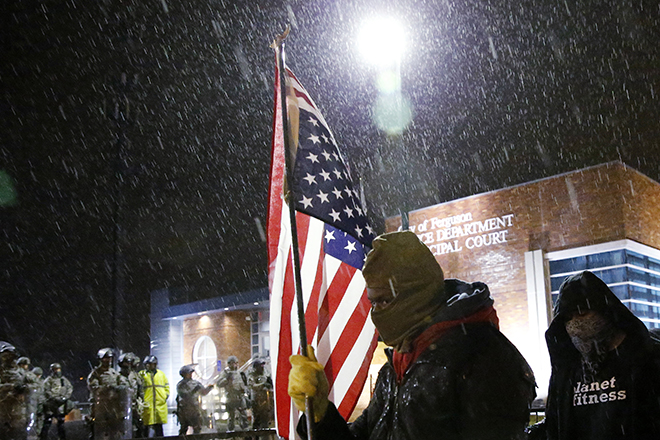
402 318
591 336
57 373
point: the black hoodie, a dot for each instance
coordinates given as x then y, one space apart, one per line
471 383
619 401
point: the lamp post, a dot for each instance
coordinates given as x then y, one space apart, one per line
382 43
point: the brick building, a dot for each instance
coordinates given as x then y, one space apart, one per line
523 241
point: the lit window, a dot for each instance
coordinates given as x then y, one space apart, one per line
205 356
630 269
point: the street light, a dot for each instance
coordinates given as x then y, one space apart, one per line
382 42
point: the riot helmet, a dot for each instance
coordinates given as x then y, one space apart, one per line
105 357
56 369
258 365
7 353
7 347
23 361
187 369
130 359
38 371
232 362
124 358
105 353
151 362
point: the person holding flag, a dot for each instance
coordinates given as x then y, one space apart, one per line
450 373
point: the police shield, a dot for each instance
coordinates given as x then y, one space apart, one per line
13 420
112 414
31 402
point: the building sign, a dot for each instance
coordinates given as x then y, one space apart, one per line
458 232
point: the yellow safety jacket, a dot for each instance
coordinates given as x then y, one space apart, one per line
156 392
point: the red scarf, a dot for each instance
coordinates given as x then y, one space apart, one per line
402 361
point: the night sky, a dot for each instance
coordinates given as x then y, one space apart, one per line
141 129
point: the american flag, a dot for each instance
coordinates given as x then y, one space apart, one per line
333 235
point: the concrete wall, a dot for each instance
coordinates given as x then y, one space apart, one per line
166 341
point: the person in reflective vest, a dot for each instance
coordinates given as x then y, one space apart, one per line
156 392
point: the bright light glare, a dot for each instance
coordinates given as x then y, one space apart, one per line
382 40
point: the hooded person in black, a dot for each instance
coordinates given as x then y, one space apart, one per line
450 373
605 381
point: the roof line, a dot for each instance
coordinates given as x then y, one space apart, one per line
606 164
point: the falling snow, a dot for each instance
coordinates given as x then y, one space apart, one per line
142 129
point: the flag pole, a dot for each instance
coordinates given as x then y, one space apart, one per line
278 45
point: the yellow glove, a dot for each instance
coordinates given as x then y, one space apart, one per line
307 379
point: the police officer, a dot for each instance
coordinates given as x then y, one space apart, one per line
24 363
106 386
156 392
261 386
57 391
235 386
13 394
188 391
38 394
31 398
132 379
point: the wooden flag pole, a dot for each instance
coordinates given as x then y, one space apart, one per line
278 46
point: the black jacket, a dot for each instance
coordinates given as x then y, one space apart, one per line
472 383
621 401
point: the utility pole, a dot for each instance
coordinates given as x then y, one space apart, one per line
119 35
121 118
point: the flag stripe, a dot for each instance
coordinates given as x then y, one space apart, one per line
346 345
284 340
333 301
311 267
330 269
343 333
353 395
276 177
308 103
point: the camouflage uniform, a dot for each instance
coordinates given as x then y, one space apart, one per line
14 392
111 400
131 379
39 399
261 387
187 405
57 391
30 399
236 389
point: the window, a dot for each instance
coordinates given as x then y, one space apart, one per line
205 356
630 269
260 333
